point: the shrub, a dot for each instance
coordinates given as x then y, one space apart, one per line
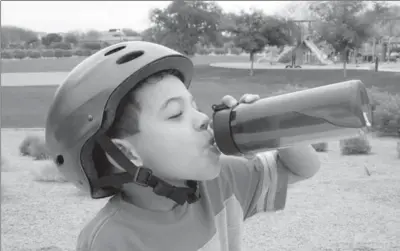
235 51
220 51
320 147
67 53
356 145
386 116
47 171
95 46
6 55
87 53
61 45
48 53
34 146
58 53
34 54
202 51
78 52
20 54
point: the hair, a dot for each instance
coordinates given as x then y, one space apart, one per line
126 122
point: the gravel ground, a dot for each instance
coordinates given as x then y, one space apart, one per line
341 208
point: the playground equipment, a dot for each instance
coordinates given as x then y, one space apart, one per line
302 48
297 54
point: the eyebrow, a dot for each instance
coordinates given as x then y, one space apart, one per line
178 98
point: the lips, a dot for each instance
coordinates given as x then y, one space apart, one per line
211 141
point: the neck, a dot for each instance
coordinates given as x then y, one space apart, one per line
145 198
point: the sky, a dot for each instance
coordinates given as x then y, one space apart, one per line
63 16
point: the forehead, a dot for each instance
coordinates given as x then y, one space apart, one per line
153 95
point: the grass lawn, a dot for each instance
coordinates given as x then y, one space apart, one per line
27 106
67 64
341 208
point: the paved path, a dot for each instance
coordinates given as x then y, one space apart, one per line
265 66
33 78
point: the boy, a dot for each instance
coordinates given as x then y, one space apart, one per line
123 124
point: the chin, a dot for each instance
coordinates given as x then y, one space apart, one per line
213 171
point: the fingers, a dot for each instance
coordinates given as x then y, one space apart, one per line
249 98
229 101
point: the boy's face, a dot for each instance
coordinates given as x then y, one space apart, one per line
174 137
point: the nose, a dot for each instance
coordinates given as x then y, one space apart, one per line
202 122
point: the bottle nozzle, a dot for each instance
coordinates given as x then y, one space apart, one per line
367 122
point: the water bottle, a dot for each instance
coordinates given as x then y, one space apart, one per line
320 114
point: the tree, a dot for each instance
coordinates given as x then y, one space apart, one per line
130 33
51 38
183 24
92 35
342 25
382 16
71 38
253 31
16 35
152 34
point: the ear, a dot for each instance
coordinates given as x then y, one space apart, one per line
128 150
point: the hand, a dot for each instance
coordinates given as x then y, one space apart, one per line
245 99
230 101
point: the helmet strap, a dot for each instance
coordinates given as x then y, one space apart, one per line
143 176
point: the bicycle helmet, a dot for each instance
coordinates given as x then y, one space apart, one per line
84 108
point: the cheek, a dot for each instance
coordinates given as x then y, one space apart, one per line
168 140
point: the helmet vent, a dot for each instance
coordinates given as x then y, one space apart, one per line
59 160
129 57
114 50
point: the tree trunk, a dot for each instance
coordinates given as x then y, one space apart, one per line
344 58
374 48
252 64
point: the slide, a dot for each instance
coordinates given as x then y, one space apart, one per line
286 55
322 57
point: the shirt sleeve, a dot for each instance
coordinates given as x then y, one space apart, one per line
257 184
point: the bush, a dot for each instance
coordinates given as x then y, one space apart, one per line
20 54
87 53
202 51
67 53
47 171
220 51
6 55
236 51
356 145
320 147
34 146
386 116
48 53
78 52
95 46
34 54
58 53
61 45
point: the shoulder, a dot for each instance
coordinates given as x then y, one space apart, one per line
103 233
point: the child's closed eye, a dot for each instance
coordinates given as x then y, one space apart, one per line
176 115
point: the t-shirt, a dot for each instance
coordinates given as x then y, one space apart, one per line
214 223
